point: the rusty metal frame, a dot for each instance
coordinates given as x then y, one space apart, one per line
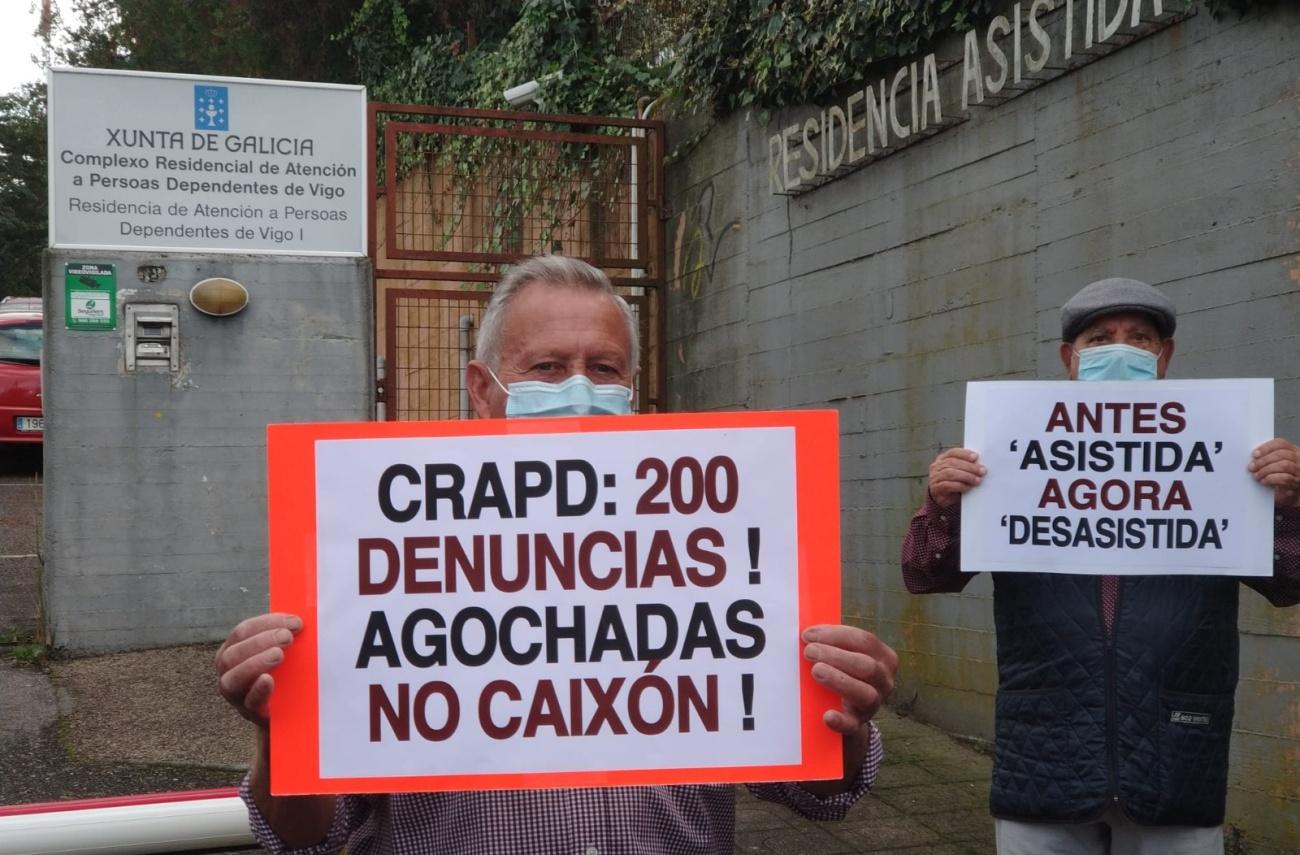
391 392
392 129
650 204
649 239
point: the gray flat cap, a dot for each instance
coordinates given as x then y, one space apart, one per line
1107 296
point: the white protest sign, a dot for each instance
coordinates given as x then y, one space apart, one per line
174 162
585 602
1118 477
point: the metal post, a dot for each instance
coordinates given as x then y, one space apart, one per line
465 324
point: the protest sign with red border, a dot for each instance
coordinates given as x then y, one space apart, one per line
594 601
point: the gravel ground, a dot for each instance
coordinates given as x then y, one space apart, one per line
116 725
152 706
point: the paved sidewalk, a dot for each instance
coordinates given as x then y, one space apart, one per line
931 799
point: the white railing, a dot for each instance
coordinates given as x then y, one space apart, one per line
128 825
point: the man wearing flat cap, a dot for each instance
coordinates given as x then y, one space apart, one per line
1115 697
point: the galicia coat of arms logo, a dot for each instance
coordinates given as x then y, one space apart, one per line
211 108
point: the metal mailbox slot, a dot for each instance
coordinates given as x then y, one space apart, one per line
152 336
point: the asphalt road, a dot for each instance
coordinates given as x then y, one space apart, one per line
20 527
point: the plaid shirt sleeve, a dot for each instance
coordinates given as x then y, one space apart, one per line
1283 587
348 814
834 807
932 550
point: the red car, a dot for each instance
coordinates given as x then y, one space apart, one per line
21 418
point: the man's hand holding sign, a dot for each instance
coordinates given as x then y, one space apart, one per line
1276 464
1119 514
524 604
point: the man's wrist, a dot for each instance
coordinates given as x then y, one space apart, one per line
933 508
856 747
259 771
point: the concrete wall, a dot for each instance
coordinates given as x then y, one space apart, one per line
1175 160
155 483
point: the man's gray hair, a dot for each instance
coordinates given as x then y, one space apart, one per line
556 271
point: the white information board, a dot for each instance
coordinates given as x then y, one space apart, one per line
171 162
1118 477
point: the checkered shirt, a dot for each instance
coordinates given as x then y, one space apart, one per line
610 821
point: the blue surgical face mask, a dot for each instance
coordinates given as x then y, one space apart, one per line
576 396
1117 362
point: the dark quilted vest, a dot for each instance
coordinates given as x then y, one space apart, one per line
1145 718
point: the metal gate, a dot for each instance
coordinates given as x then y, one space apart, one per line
458 195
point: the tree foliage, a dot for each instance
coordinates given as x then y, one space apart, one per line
22 188
285 39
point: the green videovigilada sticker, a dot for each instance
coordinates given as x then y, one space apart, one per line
90 296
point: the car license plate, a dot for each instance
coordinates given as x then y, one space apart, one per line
30 424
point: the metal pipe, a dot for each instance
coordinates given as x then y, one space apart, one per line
133 825
638 133
465 324
637 272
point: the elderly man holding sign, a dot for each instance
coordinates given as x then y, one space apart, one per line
1115 697
555 340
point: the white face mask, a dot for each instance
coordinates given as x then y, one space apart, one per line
1117 362
575 396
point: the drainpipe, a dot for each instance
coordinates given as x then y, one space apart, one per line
644 105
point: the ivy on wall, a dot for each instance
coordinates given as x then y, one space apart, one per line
771 53
598 57
592 57
775 52
1241 7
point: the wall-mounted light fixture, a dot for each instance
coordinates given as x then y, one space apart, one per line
219 297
